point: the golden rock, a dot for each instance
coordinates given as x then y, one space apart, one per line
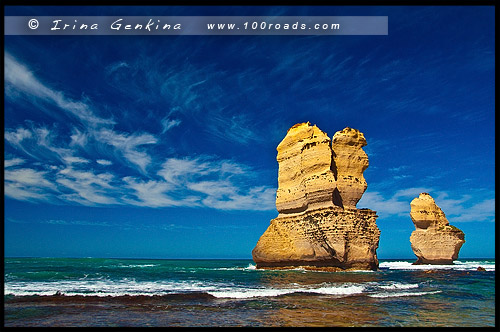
434 240
319 183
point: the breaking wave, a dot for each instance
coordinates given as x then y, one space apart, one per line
457 265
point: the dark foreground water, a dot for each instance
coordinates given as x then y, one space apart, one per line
143 292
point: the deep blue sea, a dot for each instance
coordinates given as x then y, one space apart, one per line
154 292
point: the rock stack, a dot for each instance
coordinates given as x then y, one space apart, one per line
320 182
349 163
434 240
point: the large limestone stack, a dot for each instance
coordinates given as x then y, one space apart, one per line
314 229
434 240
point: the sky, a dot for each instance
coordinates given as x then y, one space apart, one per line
165 146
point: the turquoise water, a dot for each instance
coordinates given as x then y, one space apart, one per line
147 292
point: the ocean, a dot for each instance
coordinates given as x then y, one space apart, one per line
211 293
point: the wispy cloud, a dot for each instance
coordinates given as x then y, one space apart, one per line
156 194
465 208
26 184
115 66
189 182
78 138
75 160
232 128
460 209
87 187
16 138
104 162
19 78
13 162
398 204
189 92
167 124
43 143
40 144
203 181
129 145
64 173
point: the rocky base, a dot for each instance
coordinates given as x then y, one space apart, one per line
328 239
432 262
438 246
328 267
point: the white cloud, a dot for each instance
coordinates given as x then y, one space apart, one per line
104 162
384 207
45 138
256 199
87 188
176 170
215 189
411 192
398 169
115 66
456 210
192 181
27 184
75 160
21 80
28 177
18 77
400 177
398 204
13 162
230 168
167 124
128 145
17 136
197 182
78 138
154 194
484 210
38 143
204 181
462 210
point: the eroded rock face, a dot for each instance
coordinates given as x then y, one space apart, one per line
434 240
318 225
350 161
305 178
327 238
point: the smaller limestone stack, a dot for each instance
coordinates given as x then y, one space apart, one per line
350 161
434 241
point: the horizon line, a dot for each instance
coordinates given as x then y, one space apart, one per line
201 258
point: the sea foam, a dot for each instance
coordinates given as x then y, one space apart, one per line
242 293
398 285
131 287
457 265
402 294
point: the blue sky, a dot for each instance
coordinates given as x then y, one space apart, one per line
165 146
